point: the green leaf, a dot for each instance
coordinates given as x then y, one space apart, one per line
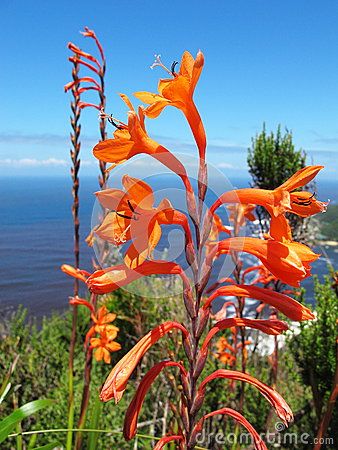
50 446
9 423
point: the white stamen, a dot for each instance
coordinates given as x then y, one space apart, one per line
159 63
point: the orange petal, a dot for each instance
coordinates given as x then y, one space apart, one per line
73 272
139 191
117 380
187 64
126 100
257 440
114 150
113 199
283 303
279 404
113 346
114 229
301 178
149 98
133 411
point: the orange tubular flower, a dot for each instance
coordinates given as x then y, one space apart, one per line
117 380
288 261
281 199
112 278
273 327
133 411
279 404
102 323
285 304
132 139
104 345
133 216
75 273
178 91
257 440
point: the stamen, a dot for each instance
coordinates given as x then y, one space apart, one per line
121 238
115 122
159 63
172 68
133 210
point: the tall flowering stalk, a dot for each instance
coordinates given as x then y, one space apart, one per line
74 153
133 220
94 82
78 86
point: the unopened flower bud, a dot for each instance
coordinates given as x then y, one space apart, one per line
189 303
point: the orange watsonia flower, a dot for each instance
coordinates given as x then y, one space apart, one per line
283 303
104 345
178 91
279 404
132 139
290 262
273 327
82 302
133 216
281 199
108 280
117 380
226 353
133 411
257 440
75 273
102 323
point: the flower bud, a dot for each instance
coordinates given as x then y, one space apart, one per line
189 303
202 319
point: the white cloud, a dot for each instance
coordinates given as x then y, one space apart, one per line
224 165
33 162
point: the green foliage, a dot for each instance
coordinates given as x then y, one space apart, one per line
272 159
329 223
8 424
314 348
41 372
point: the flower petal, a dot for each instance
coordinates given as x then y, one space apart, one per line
118 378
283 303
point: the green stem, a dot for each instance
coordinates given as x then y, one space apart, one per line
86 430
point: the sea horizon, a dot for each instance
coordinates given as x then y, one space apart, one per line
37 238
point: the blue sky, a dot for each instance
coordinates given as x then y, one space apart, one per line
267 60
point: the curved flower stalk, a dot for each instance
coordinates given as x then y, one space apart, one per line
257 440
134 408
282 409
133 209
283 303
272 327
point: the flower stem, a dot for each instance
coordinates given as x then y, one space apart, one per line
74 153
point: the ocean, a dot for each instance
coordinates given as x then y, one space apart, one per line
37 237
